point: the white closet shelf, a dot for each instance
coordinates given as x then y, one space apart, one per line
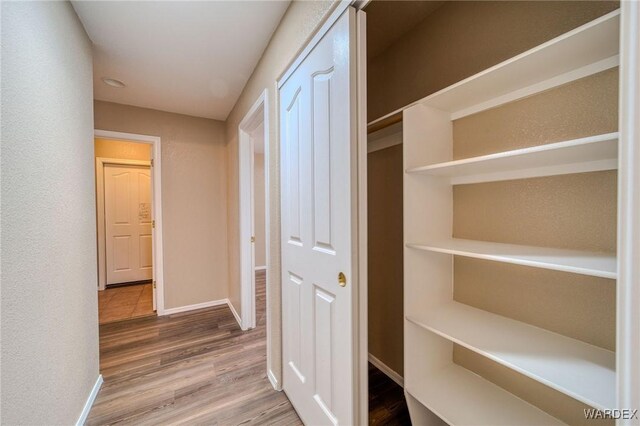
578 262
461 397
586 50
583 371
587 154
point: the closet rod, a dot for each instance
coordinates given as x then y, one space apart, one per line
380 124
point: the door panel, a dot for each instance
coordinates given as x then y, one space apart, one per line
146 257
293 169
128 224
321 95
317 125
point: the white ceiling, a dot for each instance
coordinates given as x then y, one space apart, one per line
188 57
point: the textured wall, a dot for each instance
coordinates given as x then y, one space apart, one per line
194 194
585 107
49 280
296 26
385 253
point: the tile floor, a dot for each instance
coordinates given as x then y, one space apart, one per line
122 303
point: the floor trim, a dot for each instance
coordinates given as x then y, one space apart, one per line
235 313
386 370
128 283
273 380
186 308
90 400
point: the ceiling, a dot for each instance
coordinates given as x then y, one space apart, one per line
389 20
188 57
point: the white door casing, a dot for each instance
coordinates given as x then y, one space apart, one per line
255 120
156 195
128 227
318 137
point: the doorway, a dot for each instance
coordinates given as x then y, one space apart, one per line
127 214
254 198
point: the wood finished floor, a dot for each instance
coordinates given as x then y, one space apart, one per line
387 405
200 368
123 303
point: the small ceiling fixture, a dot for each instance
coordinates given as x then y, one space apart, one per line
113 82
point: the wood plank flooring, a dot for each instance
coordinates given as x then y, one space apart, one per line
387 405
199 368
191 368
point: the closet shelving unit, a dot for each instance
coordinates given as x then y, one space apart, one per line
433 320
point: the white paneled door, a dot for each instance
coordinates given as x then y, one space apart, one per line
318 189
127 205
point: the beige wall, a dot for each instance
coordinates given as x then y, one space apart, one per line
385 253
49 300
297 25
107 148
259 210
481 33
194 195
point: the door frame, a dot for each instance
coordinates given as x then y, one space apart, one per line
257 114
360 266
156 197
628 283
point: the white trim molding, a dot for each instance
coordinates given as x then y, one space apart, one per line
204 305
257 115
246 133
235 314
90 400
260 268
156 173
195 306
390 373
274 382
628 286
362 293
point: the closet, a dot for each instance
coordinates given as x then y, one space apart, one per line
508 115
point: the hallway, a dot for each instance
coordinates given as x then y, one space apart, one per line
195 367
199 367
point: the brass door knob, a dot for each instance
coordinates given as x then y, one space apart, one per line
342 279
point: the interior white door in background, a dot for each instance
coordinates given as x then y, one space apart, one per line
318 212
128 226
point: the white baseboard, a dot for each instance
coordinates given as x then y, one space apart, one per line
386 370
260 268
90 400
235 313
203 305
273 380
